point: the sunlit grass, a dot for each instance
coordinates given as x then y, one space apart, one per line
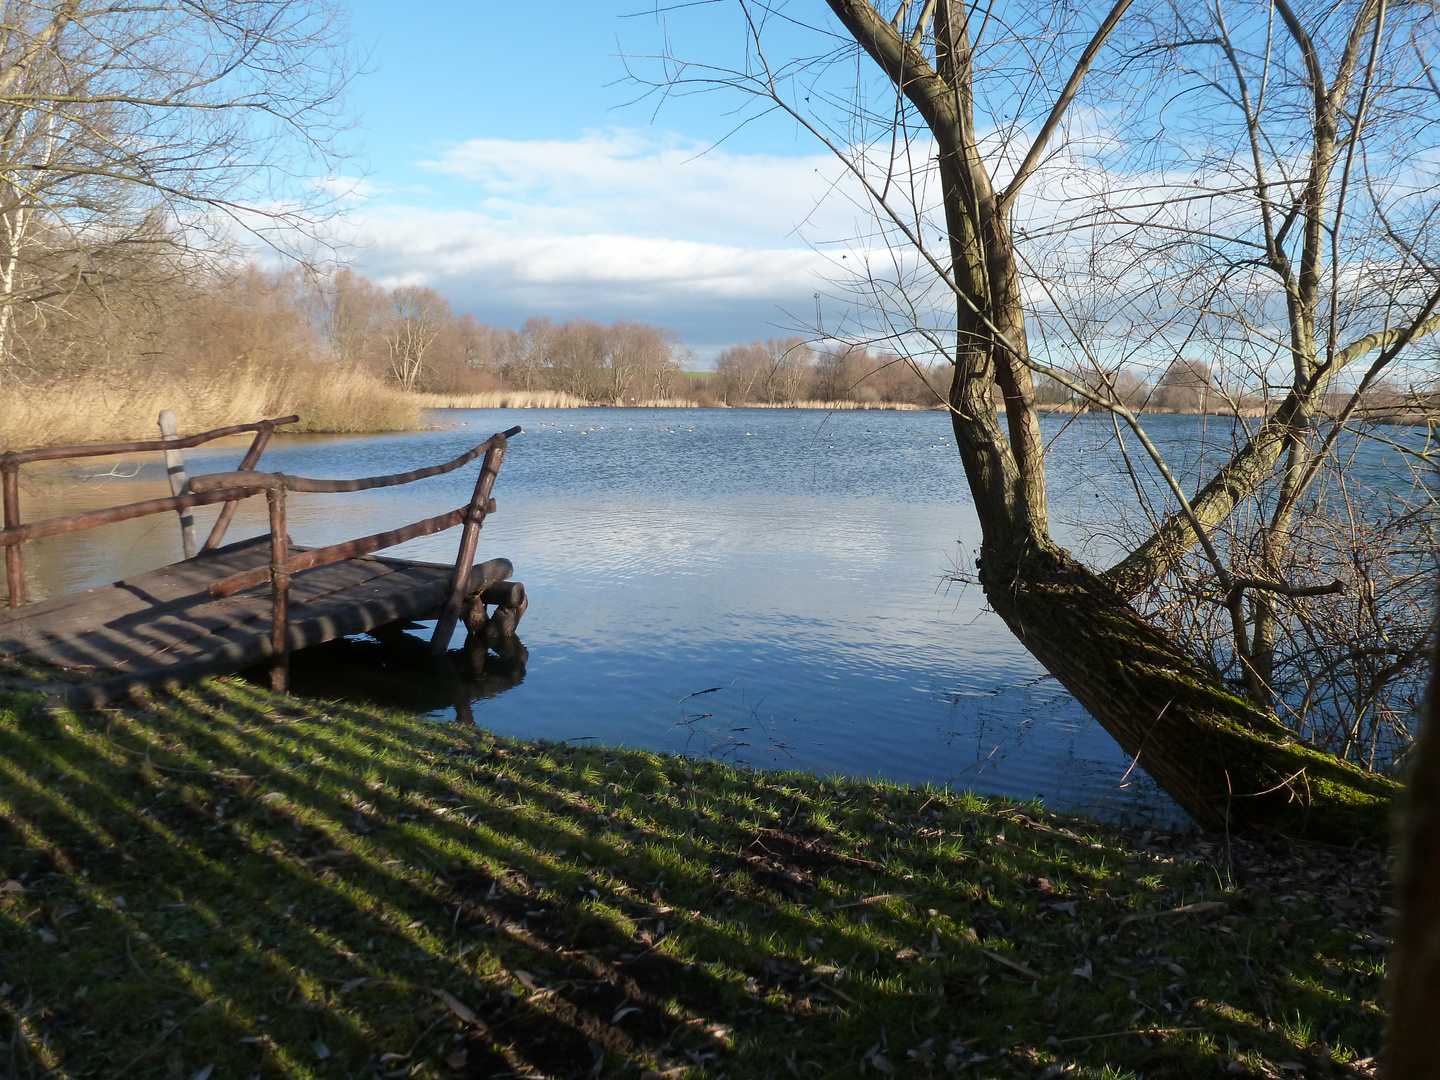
277 887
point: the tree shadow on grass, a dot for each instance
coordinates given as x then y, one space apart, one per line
258 885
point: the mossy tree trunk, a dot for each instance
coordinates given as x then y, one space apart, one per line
1230 763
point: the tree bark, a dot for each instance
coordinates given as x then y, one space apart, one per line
1231 765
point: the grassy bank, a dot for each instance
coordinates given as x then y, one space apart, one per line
222 883
102 408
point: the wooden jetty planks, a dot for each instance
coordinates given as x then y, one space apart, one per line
157 590
166 627
210 612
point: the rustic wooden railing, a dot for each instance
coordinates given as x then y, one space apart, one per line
14 533
231 487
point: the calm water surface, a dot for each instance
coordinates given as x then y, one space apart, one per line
768 585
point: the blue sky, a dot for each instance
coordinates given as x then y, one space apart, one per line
505 164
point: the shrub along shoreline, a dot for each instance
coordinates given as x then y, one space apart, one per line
224 882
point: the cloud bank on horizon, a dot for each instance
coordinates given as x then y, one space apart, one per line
618 222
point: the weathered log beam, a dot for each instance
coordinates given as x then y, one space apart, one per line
504 621
54 453
504 594
18 534
363 483
510 603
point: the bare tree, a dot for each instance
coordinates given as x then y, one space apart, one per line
1186 386
524 364
420 315
1415 954
639 358
172 125
353 311
837 372
575 355
772 371
740 372
1285 226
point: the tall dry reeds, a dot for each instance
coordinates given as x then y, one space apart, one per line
841 406
502 399
558 399
102 408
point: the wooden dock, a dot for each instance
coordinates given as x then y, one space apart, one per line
237 605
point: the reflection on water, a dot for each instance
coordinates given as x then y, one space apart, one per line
769 585
393 668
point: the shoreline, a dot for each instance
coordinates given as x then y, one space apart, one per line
332 886
93 412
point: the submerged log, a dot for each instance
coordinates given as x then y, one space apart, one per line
472 614
487 585
1231 765
504 621
504 594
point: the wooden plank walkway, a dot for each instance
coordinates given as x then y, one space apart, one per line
255 601
165 627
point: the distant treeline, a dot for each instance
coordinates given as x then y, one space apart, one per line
1191 386
411 336
349 355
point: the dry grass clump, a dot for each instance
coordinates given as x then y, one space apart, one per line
101 408
347 401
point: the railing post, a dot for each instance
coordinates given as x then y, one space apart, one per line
279 591
175 469
252 458
14 557
469 540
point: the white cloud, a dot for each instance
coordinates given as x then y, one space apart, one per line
616 223
633 183
504 274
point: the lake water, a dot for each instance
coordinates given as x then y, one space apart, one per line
767 585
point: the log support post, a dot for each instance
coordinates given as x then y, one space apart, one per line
14 558
279 591
480 506
504 621
179 485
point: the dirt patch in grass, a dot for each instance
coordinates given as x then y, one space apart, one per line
224 880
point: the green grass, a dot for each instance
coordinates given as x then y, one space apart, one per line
225 880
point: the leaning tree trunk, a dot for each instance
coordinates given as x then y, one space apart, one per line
1230 765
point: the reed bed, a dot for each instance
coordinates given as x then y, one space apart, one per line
558 399
839 406
99 409
502 399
